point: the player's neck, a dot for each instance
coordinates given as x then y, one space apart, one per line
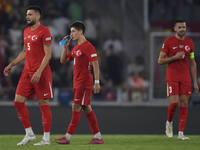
35 26
81 40
180 37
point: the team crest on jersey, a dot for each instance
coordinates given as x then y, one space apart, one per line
34 38
187 48
78 53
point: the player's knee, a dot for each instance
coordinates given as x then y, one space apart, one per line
76 107
184 103
43 102
87 109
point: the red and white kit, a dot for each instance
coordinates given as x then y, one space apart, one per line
34 41
82 55
178 73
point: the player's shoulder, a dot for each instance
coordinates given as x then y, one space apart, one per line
88 44
42 27
27 29
188 39
168 39
171 38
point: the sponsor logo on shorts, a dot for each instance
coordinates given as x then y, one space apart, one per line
77 99
46 94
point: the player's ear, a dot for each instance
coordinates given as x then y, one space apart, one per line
174 28
38 16
81 31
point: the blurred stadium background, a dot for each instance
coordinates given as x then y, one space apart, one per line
127 34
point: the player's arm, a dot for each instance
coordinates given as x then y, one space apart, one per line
64 58
193 69
97 87
17 60
163 59
45 61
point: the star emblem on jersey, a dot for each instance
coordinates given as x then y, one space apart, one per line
78 53
187 48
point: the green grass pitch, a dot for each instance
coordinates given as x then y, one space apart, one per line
111 142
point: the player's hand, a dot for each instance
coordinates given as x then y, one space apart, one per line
96 88
36 77
180 55
196 88
66 44
7 70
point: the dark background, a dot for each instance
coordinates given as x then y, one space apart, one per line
111 120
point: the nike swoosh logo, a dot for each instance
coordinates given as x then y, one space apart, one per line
77 99
46 94
175 47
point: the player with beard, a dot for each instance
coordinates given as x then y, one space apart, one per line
36 77
176 51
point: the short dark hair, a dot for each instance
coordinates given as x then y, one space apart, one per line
79 25
36 9
179 20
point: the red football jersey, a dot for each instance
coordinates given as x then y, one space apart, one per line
82 55
178 70
34 41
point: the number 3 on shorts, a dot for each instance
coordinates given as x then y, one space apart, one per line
170 89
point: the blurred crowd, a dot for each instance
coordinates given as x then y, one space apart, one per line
119 81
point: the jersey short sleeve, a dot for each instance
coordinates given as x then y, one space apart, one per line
192 46
47 39
165 46
91 53
69 55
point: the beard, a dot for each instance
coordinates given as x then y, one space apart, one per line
31 23
181 34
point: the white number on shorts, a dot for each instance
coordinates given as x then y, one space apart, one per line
170 89
28 45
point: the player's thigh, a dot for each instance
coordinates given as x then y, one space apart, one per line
43 101
185 88
82 96
185 91
184 100
25 87
19 98
172 88
43 88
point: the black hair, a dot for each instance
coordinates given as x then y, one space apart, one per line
179 20
79 25
36 9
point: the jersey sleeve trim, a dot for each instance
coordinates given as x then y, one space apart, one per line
93 55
